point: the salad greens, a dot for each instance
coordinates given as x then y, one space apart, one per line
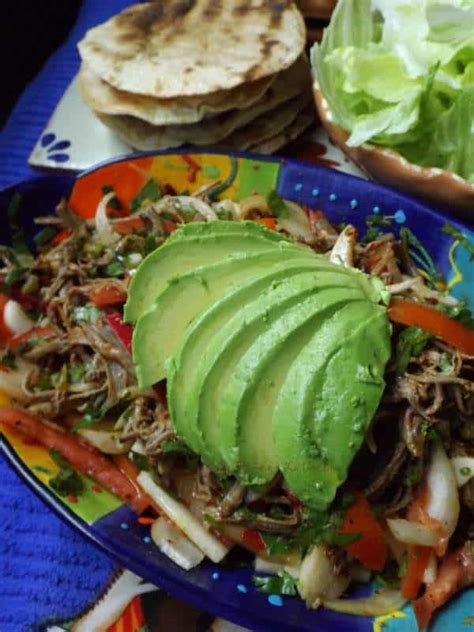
400 73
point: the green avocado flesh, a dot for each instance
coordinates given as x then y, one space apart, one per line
217 361
205 243
154 341
328 399
274 356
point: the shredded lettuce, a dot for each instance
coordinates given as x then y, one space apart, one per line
400 73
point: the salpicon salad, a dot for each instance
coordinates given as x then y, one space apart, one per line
404 517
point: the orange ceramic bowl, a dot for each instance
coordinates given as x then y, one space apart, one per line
443 188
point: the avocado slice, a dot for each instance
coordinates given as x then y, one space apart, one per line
247 404
323 407
208 324
190 246
161 327
218 363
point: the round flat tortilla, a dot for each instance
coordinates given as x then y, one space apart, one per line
267 125
294 129
293 82
104 98
178 48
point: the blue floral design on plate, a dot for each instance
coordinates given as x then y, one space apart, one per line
55 150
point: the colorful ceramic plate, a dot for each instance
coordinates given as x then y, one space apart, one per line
441 255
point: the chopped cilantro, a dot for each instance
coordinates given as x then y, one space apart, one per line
67 483
320 528
91 416
8 360
411 342
371 234
414 472
445 363
281 584
449 229
211 521
44 383
58 459
18 239
114 269
87 313
168 216
45 235
113 202
140 460
150 192
378 220
403 567
175 446
76 372
277 204
150 244
15 275
223 213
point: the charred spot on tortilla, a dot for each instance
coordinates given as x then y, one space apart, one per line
213 9
267 45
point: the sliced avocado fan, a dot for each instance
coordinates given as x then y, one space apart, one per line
206 242
274 356
188 294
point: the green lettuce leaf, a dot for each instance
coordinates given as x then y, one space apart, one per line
400 73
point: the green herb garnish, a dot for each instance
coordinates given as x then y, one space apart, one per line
411 342
114 269
18 239
140 460
76 372
175 446
91 417
66 482
151 192
281 584
45 235
277 204
114 202
8 360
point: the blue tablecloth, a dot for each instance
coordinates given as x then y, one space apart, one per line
47 570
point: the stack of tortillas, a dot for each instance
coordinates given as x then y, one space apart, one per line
230 73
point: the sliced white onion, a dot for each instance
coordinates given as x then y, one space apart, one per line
343 250
11 381
104 440
443 498
412 532
16 319
263 565
255 202
297 223
104 229
431 569
317 580
463 467
175 545
184 519
228 206
185 200
383 602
